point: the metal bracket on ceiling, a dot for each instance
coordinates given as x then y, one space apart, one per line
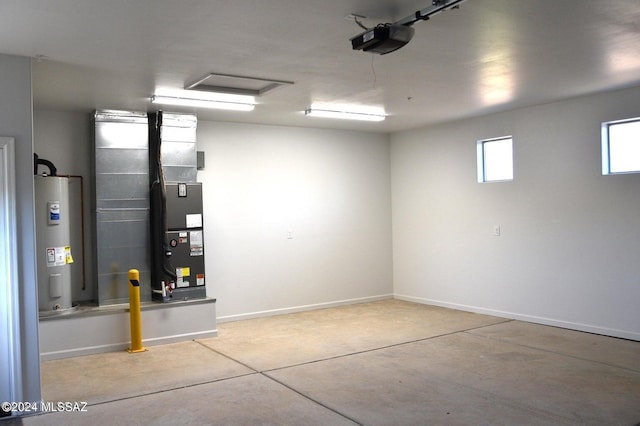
436 7
420 16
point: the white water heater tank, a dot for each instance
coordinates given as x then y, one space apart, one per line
53 238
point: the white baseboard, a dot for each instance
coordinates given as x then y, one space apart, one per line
624 334
303 308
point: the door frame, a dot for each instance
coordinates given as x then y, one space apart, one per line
10 359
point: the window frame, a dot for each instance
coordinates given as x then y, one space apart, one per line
606 146
481 159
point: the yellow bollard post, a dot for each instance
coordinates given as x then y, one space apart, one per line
134 312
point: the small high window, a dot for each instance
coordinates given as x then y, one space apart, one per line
621 146
495 159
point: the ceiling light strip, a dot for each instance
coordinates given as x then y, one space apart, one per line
345 115
202 103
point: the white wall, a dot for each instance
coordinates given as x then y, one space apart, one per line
330 188
568 254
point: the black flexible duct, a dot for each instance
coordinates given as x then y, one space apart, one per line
158 203
53 171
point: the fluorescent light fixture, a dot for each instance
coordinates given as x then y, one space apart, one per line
346 111
346 115
201 103
199 99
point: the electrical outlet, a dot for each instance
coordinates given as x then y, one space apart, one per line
289 234
496 230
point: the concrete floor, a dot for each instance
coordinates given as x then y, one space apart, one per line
381 363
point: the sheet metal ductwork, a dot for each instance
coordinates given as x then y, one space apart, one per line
139 159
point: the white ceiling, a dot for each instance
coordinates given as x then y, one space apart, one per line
489 55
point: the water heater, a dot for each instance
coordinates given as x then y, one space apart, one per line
53 235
